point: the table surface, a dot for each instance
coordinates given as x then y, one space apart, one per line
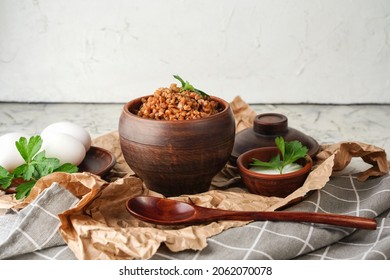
325 123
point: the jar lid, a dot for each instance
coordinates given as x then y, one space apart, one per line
270 124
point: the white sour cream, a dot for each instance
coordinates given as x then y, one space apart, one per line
292 167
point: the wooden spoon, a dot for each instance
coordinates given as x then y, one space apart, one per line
172 212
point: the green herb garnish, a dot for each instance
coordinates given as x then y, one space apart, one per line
187 86
290 152
36 166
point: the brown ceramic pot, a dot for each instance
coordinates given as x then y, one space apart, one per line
279 185
176 157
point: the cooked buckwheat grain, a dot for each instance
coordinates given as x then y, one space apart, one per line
171 104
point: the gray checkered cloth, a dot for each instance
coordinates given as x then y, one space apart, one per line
33 232
286 240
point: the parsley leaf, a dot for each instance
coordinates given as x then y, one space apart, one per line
294 151
187 86
5 178
67 167
24 189
273 163
28 149
36 166
290 152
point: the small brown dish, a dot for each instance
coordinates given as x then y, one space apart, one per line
97 161
279 185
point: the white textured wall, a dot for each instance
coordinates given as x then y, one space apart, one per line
265 51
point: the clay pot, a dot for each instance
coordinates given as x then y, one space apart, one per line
176 157
266 127
279 185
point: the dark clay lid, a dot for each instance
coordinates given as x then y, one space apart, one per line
266 127
270 124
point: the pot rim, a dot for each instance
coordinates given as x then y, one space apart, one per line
241 166
127 112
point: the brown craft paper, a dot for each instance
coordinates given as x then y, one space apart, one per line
99 227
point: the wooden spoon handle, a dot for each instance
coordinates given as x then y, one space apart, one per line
321 218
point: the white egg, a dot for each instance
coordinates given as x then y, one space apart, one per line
71 129
64 147
10 157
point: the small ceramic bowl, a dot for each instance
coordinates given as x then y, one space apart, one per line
97 161
279 185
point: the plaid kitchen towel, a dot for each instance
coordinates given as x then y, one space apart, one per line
286 240
61 252
35 227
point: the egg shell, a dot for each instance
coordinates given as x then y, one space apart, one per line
71 129
64 147
10 157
